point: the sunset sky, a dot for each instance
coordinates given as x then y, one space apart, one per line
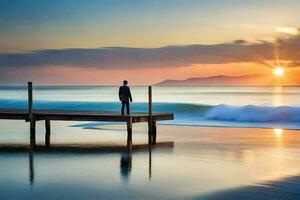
106 41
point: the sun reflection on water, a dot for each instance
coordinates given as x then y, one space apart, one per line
278 132
277 96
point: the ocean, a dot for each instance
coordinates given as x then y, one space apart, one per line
264 107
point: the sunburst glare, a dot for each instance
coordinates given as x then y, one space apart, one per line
278 71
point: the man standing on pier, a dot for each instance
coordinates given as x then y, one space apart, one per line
125 96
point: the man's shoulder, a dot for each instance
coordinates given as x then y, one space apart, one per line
124 88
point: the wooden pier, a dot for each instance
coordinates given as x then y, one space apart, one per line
32 115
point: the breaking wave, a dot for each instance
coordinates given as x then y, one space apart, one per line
252 113
187 114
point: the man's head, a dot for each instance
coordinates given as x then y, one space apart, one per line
125 82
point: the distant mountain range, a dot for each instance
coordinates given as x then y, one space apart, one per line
222 80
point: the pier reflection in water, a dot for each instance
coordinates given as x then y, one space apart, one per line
31 166
125 161
126 164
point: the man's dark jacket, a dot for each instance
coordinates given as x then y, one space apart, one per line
124 94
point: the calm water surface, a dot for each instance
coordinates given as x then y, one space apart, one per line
203 162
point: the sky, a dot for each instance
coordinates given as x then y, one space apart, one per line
145 41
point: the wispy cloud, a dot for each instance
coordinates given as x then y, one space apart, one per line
169 56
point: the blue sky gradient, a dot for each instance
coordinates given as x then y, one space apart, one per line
59 40
42 24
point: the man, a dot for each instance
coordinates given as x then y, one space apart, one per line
125 96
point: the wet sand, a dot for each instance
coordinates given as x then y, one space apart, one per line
286 188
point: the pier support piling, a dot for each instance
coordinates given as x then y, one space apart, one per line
150 135
129 134
154 132
32 134
47 134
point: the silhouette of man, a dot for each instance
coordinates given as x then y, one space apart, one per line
125 97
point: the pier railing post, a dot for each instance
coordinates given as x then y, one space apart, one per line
30 116
150 100
150 135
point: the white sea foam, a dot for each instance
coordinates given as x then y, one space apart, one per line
253 113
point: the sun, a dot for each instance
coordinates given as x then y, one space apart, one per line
278 71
